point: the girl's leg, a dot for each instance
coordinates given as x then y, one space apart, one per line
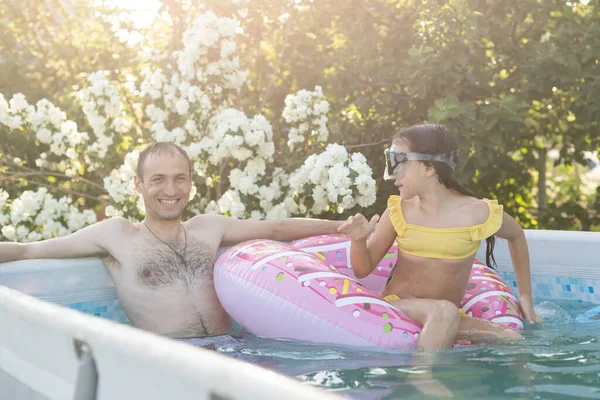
440 320
481 330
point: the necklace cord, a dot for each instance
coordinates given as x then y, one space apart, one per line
171 247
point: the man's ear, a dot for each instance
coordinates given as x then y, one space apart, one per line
137 181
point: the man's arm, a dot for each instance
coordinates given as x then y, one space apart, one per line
89 241
284 230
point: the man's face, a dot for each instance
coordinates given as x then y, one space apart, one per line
165 185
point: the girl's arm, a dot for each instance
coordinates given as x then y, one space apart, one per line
365 252
519 254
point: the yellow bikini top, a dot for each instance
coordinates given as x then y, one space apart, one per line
442 243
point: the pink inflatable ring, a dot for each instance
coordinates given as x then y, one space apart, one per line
306 291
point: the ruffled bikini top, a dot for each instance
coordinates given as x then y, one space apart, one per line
442 243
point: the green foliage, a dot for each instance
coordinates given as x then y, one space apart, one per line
49 46
508 78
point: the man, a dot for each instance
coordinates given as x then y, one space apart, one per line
162 268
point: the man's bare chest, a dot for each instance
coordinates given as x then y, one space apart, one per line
157 265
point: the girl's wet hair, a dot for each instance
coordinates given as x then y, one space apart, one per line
437 139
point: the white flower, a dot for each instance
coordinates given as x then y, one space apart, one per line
45 213
212 208
253 138
228 48
18 103
255 167
182 107
55 117
3 198
15 122
110 211
291 206
255 214
231 203
235 177
307 113
247 185
5 114
278 212
44 135
327 178
228 27
266 150
321 107
365 184
237 210
9 232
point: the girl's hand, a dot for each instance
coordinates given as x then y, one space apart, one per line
358 228
528 311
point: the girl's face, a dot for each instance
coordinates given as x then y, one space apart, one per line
408 175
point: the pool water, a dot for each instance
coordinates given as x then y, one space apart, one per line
560 360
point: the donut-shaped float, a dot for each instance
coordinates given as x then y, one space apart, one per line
487 296
275 290
305 291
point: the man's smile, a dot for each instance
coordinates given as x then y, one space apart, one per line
168 202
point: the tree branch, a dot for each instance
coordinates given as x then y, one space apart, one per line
356 146
53 188
33 172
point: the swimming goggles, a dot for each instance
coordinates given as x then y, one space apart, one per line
393 159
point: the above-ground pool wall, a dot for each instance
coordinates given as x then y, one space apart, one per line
81 284
565 265
39 342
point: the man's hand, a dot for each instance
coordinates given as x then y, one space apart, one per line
528 311
358 228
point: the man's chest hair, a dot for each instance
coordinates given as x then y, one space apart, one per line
157 265
160 266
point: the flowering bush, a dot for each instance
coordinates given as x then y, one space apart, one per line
50 127
307 113
37 215
103 108
184 97
331 178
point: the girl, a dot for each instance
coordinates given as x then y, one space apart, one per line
439 226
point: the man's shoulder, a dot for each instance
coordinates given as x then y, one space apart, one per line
117 233
118 221
117 225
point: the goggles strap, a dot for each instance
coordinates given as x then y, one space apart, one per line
393 159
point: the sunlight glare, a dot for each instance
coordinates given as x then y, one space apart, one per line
143 12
